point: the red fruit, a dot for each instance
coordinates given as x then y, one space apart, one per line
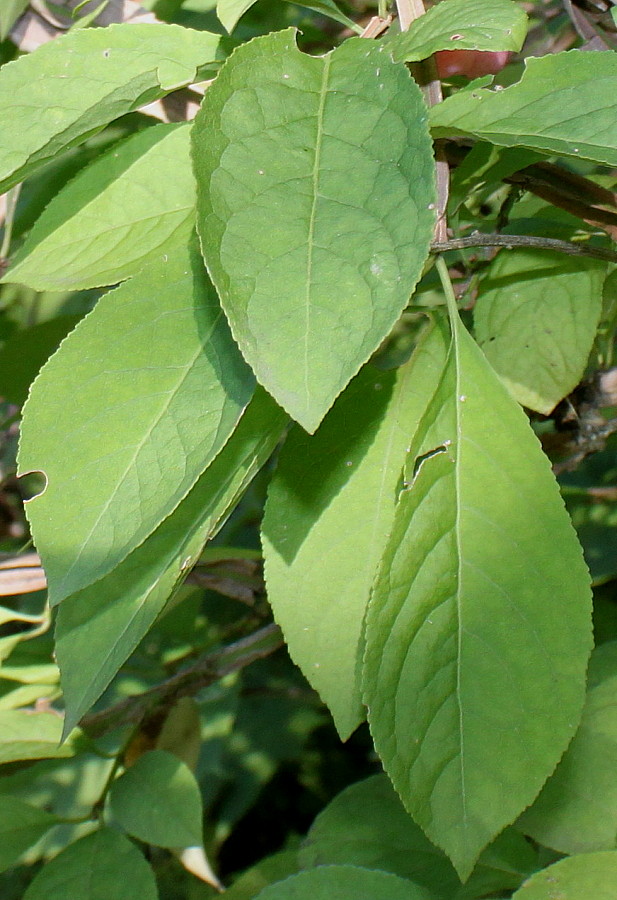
471 63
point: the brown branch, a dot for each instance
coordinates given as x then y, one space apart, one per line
201 674
522 240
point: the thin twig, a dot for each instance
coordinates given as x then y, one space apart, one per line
190 681
523 240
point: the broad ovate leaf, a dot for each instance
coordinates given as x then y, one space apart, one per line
345 882
315 209
479 627
577 809
462 25
113 219
71 87
145 393
535 319
556 107
158 801
330 508
101 865
99 627
581 877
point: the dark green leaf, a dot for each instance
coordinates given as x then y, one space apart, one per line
21 826
343 883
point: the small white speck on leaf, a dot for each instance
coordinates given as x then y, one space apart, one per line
285 76
261 172
431 206
462 398
349 463
378 386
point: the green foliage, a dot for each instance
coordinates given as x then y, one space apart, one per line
277 473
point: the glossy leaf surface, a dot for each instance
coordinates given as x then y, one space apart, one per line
146 392
312 171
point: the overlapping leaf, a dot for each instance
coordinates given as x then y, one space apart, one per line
230 11
462 25
113 219
556 107
99 627
535 319
10 10
21 826
327 882
145 393
585 875
329 511
24 735
312 172
73 86
479 628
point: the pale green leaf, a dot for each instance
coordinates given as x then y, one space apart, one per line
44 673
21 826
158 801
28 735
27 694
462 25
535 319
145 392
577 809
10 11
344 882
70 88
367 825
479 628
330 508
589 876
312 171
115 217
556 107
99 627
97 867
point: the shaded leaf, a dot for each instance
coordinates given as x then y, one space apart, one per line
328 882
330 508
556 107
21 826
25 734
10 11
230 12
146 392
98 628
462 25
535 319
332 153
24 354
479 628
586 875
158 801
115 217
102 865
272 868
124 67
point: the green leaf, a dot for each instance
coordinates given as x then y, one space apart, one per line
98 628
535 319
230 12
344 882
158 801
28 735
70 88
479 628
556 107
145 392
267 870
102 865
462 25
115 217
330 508
585 876
21 826
24 354
367 825
312 171
10 11
577 809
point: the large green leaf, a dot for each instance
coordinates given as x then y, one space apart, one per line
21 826
158 801
113 219
99 627
462 25
10 11
343 883
577 809
479 628
330 508
97 867
583 877
145 393
73 86
26 735
367 825
535 319
556 107
312 172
